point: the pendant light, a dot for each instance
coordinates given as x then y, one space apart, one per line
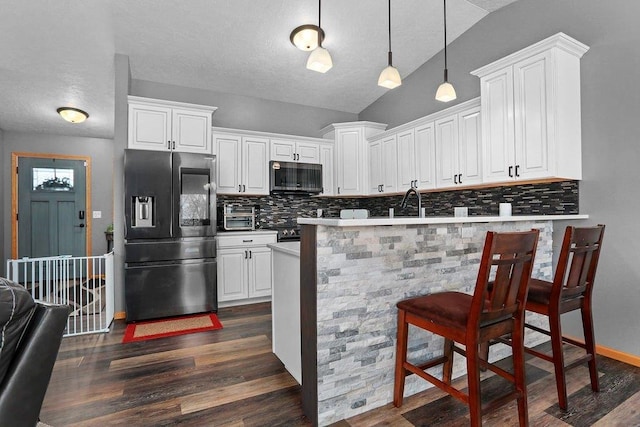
445 92
390 77
72 115
319 60
305 37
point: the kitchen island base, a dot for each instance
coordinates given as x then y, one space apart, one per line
351 279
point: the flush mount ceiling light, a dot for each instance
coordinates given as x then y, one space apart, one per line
445 92
305 37
72 115
320 60
390 77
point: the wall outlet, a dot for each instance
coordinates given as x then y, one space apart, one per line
97 214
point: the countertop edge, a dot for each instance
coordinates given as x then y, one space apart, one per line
337 222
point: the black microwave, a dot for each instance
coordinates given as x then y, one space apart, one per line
293 177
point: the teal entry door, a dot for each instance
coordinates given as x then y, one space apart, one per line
52 217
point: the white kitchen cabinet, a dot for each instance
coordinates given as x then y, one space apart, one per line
351 154
244 266
416 158
169 126
531 126
425 155
383 167
243 164
327 161
458 155
294 151
375 167
389 164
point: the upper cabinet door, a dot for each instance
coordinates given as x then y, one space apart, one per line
228 149
447 171
498 126
149 127
407 160
191 131
425 155
375 167
469 154
390 165
283 150
255 165
308 152
350 158
327 161
532 81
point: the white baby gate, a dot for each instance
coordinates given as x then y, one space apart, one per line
83 283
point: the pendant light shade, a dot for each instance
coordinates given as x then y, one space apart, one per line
445 92
389 77
320 60
72 115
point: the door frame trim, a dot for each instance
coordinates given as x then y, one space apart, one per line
15 156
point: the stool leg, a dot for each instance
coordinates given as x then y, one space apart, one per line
473 379
519 373
447 367
401 357
590 343
558 357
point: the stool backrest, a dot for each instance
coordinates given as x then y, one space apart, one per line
578 261
507 261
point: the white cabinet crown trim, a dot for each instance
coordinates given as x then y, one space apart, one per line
559 40
289 137
171 104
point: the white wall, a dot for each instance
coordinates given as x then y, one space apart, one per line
243 112
610 112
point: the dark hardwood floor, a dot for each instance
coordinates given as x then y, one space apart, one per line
230 378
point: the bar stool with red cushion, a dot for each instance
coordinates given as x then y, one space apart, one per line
470 320
570 290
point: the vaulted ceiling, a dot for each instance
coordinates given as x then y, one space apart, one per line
60 53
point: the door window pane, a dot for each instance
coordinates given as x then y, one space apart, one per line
52 179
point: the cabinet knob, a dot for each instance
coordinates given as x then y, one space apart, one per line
459 178
517 171
510 171
455 179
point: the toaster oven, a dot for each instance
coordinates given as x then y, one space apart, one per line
236 217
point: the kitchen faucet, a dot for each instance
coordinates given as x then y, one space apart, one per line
403 204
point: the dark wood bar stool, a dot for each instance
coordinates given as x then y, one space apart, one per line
570 290
474 319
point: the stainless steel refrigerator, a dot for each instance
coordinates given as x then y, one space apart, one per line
170 252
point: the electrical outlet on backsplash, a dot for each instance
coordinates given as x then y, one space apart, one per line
557 198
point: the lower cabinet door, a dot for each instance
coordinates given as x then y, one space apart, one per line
232 274
259 272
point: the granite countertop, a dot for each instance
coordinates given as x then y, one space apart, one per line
406 220
291 248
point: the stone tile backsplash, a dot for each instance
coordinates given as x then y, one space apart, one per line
557 198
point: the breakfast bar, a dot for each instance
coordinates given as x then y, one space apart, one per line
354 271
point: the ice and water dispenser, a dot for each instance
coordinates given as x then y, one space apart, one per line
143 207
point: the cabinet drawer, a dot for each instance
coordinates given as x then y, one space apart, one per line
244 240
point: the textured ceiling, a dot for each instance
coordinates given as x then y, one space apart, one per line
57 53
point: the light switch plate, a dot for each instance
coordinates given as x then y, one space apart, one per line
97 214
